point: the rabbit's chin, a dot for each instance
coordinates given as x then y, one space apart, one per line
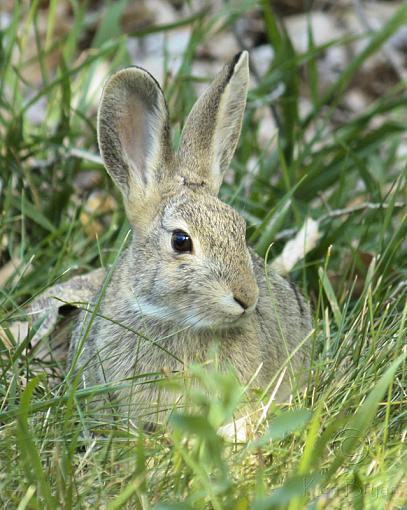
219 323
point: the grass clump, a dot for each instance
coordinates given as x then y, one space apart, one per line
340 442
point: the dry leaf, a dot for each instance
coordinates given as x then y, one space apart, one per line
19 331
296 249
87 180
8 269
45 310
99 202
79 289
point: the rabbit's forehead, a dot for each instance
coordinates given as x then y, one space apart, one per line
204 216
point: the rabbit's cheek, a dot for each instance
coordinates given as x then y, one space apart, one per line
149 309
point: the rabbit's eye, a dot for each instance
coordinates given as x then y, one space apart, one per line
181 241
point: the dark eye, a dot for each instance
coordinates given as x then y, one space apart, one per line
180 241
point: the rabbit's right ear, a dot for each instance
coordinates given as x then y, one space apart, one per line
212 129
134 138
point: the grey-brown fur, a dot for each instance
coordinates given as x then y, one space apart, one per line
183 302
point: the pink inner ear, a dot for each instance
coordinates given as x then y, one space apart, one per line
133 127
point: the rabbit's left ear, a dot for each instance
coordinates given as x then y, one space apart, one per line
212 129
134 139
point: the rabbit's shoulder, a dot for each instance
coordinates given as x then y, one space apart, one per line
281 296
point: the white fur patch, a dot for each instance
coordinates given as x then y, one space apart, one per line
232 307
190 318
199 323
150 310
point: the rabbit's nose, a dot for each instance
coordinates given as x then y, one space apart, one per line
241 303
246 298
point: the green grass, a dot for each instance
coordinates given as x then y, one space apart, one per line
340 443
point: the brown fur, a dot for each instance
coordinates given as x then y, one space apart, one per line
163 310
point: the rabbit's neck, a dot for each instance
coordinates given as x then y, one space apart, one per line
176 348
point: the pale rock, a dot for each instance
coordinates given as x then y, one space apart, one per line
261 58
248 28
399 39
324 29
87 180
331 65
222 46
356 101
36 113
267 130
148 52
305 106
5 20
369 14
205 69
163 11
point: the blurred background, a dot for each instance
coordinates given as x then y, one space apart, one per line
323 138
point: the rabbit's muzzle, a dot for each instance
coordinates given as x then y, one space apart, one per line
246 296
244 292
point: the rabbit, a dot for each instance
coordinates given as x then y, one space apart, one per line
187 280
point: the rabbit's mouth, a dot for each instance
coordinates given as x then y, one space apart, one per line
224 314
236 308
240 319
217 324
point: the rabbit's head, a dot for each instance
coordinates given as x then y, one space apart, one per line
190 261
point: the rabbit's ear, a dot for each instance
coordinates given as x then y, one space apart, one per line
134 135
212 129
